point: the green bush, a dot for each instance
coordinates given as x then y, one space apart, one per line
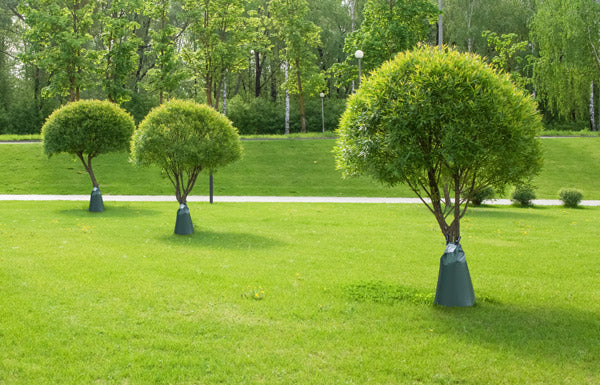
523 195
570 197
480 195
263 116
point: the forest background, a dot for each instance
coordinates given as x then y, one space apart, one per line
257 59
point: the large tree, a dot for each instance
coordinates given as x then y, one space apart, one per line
432 118
567 37
219 42
60 43
389 27
300 37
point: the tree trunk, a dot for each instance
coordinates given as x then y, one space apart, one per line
440 26
225 94
209 90
301 98
287 102
257 85
592 112
88 167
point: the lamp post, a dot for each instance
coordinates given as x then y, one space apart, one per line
322 95
359 55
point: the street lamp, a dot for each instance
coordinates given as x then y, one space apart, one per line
322 95
359 55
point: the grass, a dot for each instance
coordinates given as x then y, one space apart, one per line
269 167
116 298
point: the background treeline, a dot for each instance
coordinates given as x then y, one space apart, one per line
254 59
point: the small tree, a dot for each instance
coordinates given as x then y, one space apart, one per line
88 128
183 138
433 118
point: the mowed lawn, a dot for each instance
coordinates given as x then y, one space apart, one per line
345 296
268 167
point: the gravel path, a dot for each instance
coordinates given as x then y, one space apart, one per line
260 199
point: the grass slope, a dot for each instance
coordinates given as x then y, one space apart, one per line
269 167
116 298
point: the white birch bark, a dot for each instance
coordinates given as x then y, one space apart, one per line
287 101
592 112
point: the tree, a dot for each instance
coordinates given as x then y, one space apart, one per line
119 47
88 128
300 37
388 27
567 36
466 20
165 75
219 36
183 138
61 43
431 118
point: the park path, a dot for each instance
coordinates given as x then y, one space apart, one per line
260 199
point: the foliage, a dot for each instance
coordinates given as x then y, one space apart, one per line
388 28
485 193
567 37
118 56
87 128
571 197
440 120
300 37
523 195
260 116
511 56
464 21
183 138
60 42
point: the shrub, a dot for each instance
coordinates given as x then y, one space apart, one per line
480 195
571 197
523 195
262 116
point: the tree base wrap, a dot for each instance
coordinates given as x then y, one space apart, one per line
96 204
183 225
454 287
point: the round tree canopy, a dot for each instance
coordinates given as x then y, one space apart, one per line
90 127
444 123
431 115
182 136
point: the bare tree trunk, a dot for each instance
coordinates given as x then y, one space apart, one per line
259 67
287 101
225 94
440 26
88 167
301 98
592 112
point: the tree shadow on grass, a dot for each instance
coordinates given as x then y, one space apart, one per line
557 334
80 210
221 240
501 213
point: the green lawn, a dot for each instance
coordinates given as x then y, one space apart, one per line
269 167
115 298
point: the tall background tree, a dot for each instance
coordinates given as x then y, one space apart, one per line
140 53
567 37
